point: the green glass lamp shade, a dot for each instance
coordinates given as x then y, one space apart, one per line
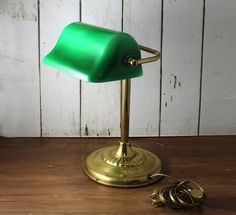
94 54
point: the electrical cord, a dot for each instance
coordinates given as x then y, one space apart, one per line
183 194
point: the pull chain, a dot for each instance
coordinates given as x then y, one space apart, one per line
183 194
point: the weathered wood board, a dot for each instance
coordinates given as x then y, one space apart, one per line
19 70
60 93
181 57
100 110
190 91
218 103
143 21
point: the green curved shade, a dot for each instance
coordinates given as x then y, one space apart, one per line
94 54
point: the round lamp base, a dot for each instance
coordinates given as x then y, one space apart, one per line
105 167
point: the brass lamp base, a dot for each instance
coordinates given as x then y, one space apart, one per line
112 166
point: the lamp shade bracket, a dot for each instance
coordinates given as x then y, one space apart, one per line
131 61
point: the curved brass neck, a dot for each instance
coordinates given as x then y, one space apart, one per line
134 62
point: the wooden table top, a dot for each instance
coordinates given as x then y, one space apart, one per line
45 176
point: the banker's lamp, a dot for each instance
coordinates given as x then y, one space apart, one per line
100 55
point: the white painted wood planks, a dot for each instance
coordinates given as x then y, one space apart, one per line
181 57
60 93
98 105
19 70
218 105
142 19
100 109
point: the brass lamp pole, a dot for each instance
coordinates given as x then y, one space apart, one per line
124 148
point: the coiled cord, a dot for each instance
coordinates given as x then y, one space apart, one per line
183 194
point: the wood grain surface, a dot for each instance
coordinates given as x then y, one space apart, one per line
45 176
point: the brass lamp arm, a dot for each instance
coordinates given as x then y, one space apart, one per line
134 62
